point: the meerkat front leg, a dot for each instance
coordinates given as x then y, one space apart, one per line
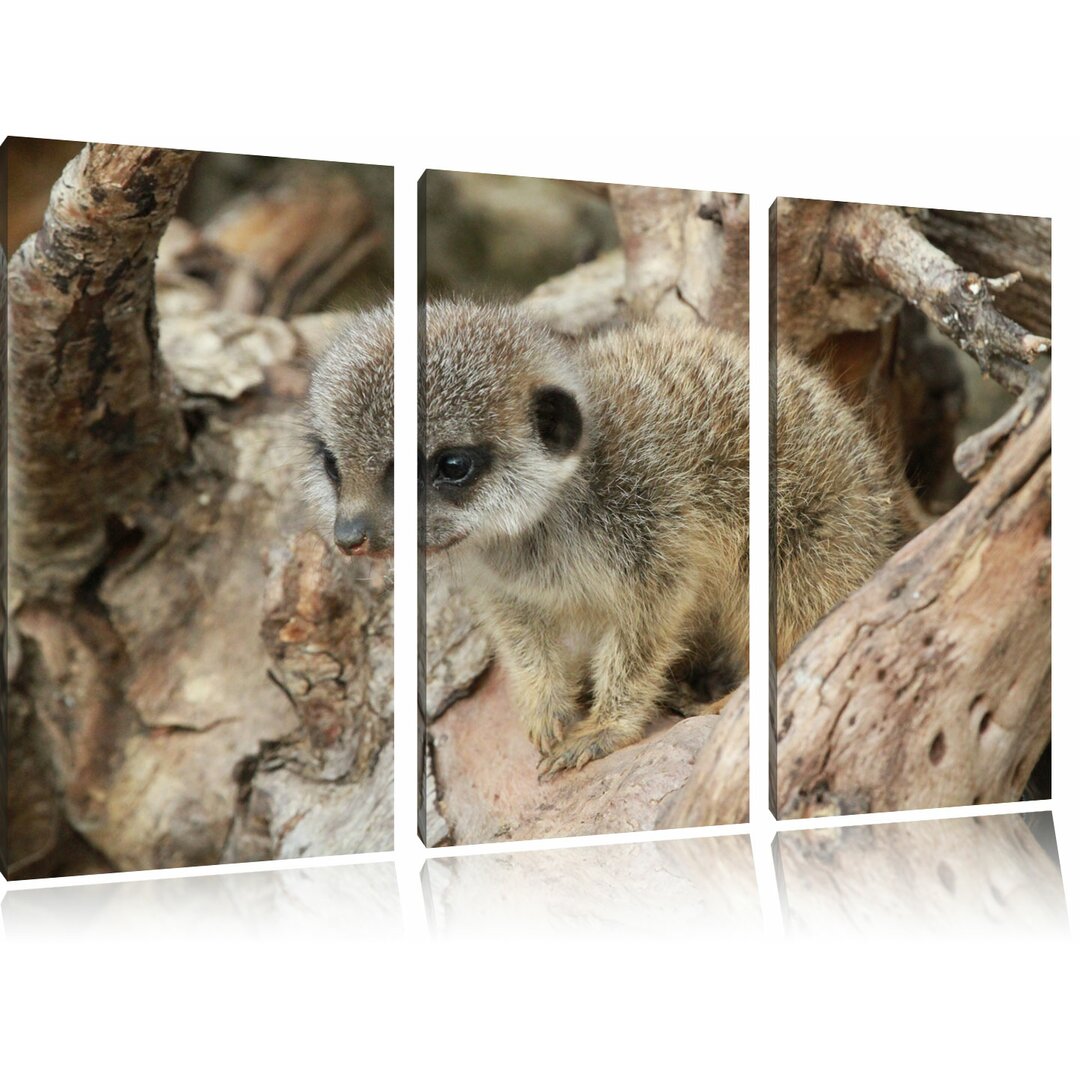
546 683
631 670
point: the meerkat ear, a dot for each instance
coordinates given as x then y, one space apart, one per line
558 420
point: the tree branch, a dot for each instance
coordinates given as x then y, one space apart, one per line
915 692
877 243
93 424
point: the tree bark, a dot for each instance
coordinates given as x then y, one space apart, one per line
141 676
930 686
94 424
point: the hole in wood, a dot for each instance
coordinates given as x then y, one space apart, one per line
937 748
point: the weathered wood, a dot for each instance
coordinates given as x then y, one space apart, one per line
995 245
878 243
718 789
94 425
147 692
687 254
291 243
485 772
930 685
811 306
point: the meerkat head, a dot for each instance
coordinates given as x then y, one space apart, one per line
350 435
502 422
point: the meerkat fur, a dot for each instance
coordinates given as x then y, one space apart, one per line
591 500
603 539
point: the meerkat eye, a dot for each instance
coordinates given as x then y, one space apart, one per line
453 467
330 464
458 467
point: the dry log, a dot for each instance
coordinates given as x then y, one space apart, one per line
877 243
292 243
718 789
841 271
811 305
94 426
146 690
485 772
327 787
919 691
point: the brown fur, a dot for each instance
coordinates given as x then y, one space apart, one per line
603 538
838 502
602 572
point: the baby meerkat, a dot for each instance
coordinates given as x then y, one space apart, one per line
349 428
592 499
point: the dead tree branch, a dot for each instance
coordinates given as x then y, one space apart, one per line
877 243
996 245
93 423
916 692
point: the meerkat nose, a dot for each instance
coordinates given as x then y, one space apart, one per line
351 535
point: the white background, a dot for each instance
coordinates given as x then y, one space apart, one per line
963 106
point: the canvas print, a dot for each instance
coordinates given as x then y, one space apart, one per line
584 507
196 671
909 507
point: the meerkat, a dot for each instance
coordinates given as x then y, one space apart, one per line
348 426
591 499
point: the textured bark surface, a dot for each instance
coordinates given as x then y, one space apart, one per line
684 255
995 245
687 254
718 788
94 424
930 686
158 710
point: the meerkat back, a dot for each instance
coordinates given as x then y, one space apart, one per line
670 424
836 500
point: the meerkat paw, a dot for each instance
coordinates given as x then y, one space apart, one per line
584 744
545 732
